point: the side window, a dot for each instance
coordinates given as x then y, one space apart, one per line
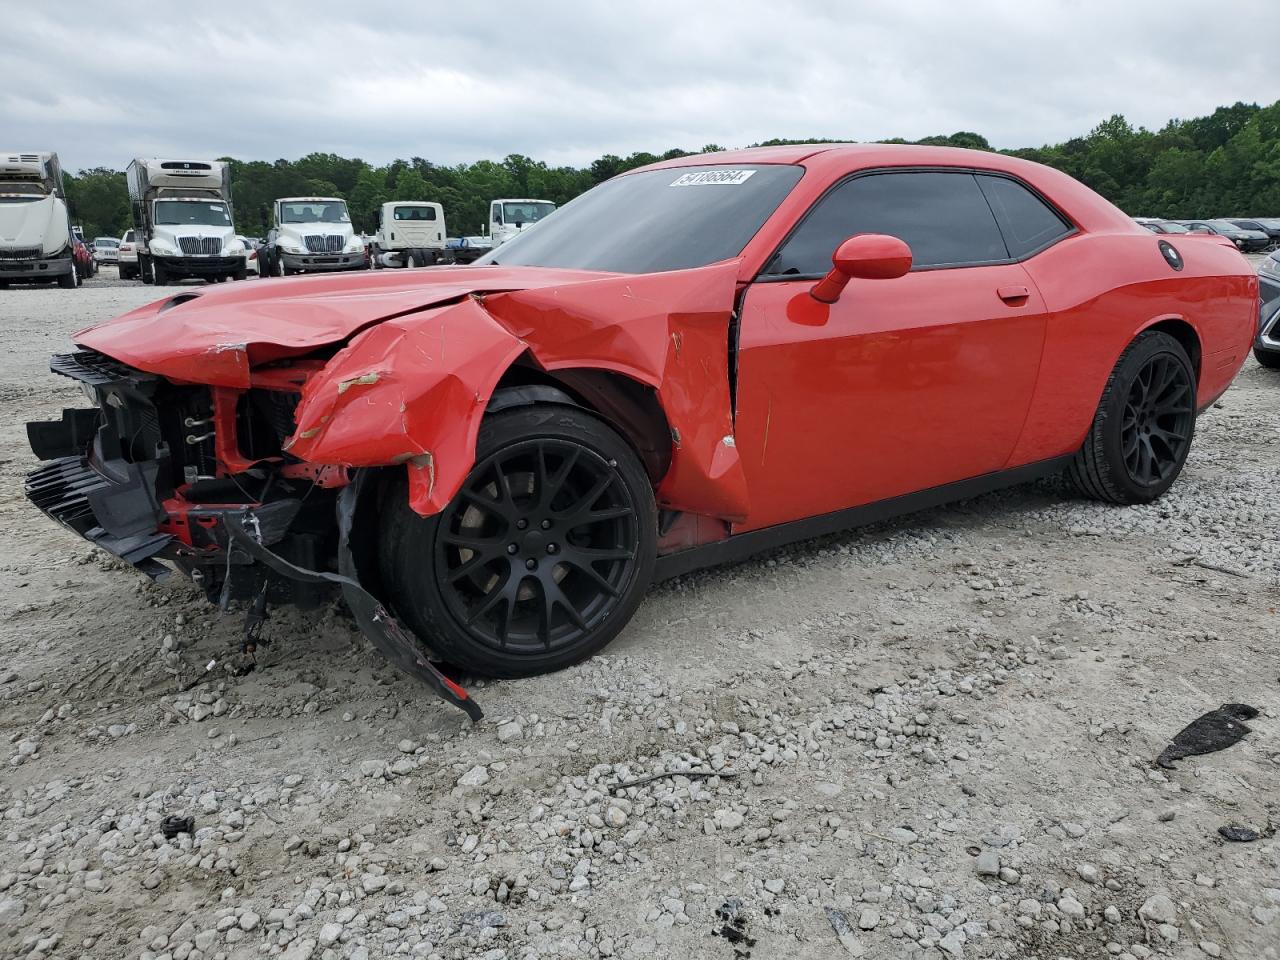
942 216
1029 223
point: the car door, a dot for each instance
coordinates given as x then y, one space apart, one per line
900 385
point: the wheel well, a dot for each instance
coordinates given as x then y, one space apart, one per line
630 407
1186 335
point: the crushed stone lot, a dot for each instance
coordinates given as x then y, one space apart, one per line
932 738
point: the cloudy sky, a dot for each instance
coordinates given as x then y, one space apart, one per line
104 82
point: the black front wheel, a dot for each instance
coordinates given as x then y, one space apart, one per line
541 558
1141 434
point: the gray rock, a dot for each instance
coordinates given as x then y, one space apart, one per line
1159 908
477 776
987 864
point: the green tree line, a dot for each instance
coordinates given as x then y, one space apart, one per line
1225 164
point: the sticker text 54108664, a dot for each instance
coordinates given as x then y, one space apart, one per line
710 178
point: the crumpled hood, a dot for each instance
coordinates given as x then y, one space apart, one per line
37 223
216 335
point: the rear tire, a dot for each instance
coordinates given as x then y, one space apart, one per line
1268 358
541 558
1145 422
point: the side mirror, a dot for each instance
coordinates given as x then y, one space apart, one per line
865 256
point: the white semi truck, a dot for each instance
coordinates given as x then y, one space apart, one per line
510 217
182 218
410 233
310 234
35 231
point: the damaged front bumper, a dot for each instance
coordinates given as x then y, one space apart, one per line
141 477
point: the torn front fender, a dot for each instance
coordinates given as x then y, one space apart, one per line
410 390
669 331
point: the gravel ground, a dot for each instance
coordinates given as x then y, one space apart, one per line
931 738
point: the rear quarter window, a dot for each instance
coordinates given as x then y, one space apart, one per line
1029 224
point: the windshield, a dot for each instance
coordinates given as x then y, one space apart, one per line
315 211
1224 225
19 188
194 213
670 219
414 213
1169 226
519 214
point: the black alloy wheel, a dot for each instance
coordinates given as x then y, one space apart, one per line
1159 416
542 556
538 546
1142 431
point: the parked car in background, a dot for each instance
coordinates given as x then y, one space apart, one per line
105 249
1267 225
1156 225
503 456
86 266
250 254
1267 347
1246 240
127 256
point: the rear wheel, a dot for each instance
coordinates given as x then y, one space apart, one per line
1142 431
541 558
1268 358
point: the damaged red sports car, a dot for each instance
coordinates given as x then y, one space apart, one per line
691 362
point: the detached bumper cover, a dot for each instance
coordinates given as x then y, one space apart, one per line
121 518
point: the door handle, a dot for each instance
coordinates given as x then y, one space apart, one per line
1014 294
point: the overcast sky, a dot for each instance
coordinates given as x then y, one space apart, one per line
104 82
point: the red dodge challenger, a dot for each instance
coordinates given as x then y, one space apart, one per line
692 362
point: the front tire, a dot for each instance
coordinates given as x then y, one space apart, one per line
541 558
1142 431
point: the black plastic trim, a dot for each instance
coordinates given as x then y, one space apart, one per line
743 545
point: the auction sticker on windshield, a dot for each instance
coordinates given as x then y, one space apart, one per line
707 178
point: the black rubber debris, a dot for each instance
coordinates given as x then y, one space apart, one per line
171 826
1214 731
1238 834
734 927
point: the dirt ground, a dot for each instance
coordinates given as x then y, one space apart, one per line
932 738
